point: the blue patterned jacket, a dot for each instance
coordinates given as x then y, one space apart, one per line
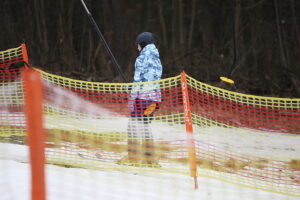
147 68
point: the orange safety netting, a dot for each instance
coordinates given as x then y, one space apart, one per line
12 61
243 139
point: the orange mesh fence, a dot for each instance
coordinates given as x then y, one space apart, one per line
234 109
12 62
11 93
243 139
96 120
12 121
91 122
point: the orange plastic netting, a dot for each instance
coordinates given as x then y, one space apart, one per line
243 139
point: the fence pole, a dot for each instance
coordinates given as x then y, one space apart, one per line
189 128
25 55
33 97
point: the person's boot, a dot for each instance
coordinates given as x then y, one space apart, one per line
150 159
133 156
133 151
133 147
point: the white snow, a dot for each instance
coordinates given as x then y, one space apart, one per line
86 184
242 140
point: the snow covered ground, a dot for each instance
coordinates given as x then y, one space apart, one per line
85 184
242 140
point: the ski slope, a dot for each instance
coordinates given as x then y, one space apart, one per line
242 140
85 184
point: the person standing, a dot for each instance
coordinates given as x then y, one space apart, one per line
144 100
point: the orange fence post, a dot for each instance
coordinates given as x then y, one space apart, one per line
24 53
189 128
33 94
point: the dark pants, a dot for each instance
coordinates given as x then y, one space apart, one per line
138 114
139 128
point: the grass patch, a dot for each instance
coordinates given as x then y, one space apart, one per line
294 164
12 134
109 141
57 138
259 164
228 165
235 164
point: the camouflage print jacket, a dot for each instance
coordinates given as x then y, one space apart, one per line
147 68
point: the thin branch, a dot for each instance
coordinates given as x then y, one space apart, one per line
191 31
181 26
295 20
162 23
279 34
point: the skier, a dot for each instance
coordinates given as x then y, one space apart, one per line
144 100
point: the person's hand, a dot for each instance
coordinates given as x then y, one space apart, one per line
150 109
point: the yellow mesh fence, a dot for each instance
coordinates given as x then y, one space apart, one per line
242 139
11 94
246 139
89 125
93 122
10 56
13 58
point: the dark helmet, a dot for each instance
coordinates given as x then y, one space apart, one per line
145 38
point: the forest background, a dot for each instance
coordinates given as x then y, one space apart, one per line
257 40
